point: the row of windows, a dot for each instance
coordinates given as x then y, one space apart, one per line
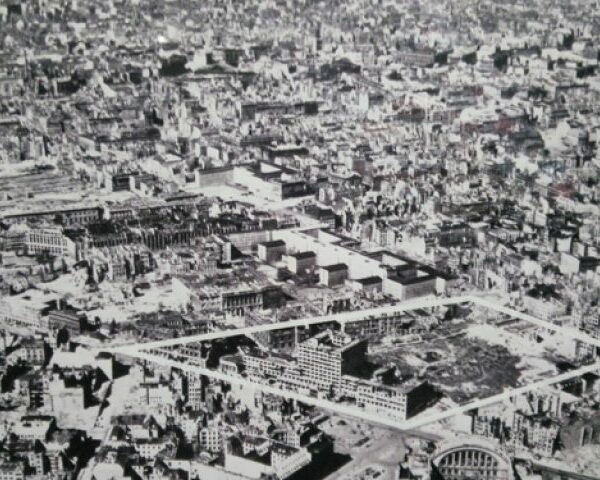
459 473
46 238
11 476
470 458
323 363
53 250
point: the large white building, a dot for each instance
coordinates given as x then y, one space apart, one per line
327 356
50 240
256 457
33 241
27 309
402 278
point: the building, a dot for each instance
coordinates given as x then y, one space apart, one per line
68 217
34 241
287 460
237 301
214 176
230 297
150 447
399 402
33 351
156 394
195 391
248 456
67 320
537 433
134 181
10 86
326 357
367 285
418 283
301 262
417 58
572 264
270 252
34 387
402 277
48 240
332 364
393 325
325 216
28 309
333 275
211 439
12 471
256 457
546 307
471 458
278 339
35 427
532 426
260 364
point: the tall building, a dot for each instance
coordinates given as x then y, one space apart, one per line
327 356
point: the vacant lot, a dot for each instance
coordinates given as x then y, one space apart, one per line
463 367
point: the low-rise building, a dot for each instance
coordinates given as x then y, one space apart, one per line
272 251
368 285
256 457
301 262
333 275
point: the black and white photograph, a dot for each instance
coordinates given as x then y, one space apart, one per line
299 240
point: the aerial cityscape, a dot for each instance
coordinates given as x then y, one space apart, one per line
299 240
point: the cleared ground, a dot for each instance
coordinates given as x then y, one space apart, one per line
369 446
476 363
